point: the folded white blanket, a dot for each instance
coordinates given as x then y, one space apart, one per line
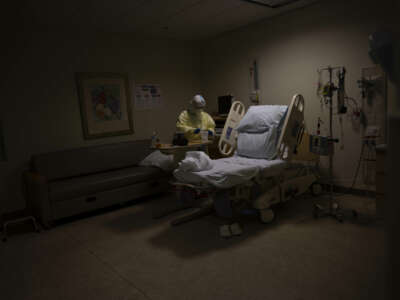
195 161
157 159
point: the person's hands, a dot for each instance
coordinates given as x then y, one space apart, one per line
196 131
210 133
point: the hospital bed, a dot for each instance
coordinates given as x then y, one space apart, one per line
236 182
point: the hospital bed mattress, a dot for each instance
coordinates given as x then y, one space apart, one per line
232 171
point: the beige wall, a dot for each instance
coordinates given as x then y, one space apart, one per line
39 104
289 49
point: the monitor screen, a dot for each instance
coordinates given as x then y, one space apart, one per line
224 104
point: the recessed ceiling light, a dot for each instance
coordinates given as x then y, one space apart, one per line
272 3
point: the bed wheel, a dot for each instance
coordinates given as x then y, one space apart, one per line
316 189
266 215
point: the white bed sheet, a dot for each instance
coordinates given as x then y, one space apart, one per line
231 171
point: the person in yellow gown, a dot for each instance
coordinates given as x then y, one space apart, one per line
192 120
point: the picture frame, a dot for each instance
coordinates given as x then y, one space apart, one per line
105 104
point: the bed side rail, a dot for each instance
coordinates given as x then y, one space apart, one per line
227 141
293 129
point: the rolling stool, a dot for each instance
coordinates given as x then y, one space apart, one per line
16 221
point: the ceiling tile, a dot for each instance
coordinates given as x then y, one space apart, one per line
178 19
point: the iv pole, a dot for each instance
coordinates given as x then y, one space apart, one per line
332 210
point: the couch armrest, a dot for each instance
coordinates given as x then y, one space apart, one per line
38 197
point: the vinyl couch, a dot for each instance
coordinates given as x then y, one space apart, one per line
65 183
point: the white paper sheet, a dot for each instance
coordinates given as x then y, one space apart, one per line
148 96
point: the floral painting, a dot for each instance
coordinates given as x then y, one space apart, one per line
105 103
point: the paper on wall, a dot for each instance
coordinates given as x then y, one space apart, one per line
148 96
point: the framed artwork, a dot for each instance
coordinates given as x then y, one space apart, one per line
105 103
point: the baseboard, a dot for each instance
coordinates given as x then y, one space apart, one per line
353 191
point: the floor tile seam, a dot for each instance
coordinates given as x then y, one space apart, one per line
110 267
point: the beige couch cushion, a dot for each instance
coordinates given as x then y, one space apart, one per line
60 190
90 160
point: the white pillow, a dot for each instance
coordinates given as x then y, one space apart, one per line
260 118
258 145
160 160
